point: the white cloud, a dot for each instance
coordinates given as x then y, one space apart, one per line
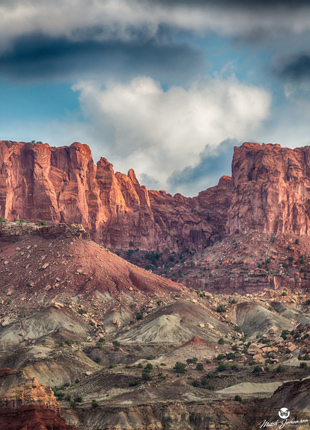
157 132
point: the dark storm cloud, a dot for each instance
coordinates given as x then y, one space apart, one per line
42 57
247 4
293 68
211 167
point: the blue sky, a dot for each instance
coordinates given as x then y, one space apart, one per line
166 87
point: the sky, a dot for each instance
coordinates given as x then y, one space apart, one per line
166 87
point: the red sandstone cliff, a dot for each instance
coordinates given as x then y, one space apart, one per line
26 404
271 189
39 182
269 192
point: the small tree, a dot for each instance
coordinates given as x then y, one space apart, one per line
180 367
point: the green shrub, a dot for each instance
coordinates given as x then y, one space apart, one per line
221 341
180 367
133 383
238 398
303 365
116 344
139 315
146 376
148 368
195 383
279 369
97 360
221 308
94 404
43 222
78 399
222 367
230 356
199 367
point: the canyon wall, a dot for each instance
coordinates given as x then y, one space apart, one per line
39 182
269 192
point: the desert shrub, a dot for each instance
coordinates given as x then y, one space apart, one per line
78 399
195 383
148 368
230 356
222 367
140 365
303 365
43 222
111 366
139 315
82 311
279 369
221 308
97 359
238 398
199 367
297 241
116 344
220 357
221 341
180 367
94 404
133 383
146 376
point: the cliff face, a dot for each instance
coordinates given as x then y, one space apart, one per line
39 182
26 404
269 192
271 189
17 389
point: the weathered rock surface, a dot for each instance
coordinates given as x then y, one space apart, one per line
17 389
39 182
271 189
269 192
26 404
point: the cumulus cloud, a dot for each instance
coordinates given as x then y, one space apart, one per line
157 132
